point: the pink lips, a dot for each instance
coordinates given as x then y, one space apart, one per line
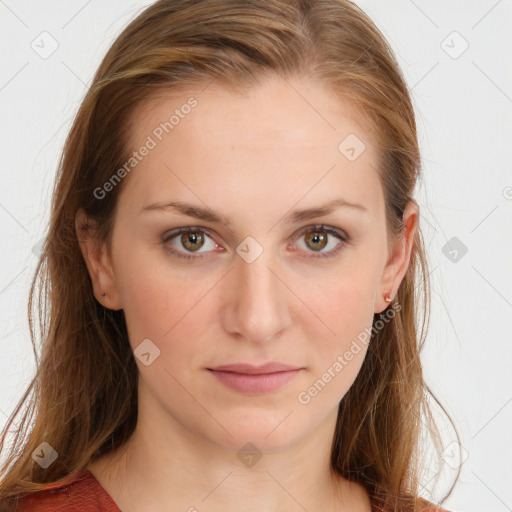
247 378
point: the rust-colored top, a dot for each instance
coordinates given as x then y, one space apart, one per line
81 494
85 494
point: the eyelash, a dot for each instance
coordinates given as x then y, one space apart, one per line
341 235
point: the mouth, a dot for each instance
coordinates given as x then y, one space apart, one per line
248 378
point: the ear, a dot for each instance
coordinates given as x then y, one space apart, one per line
399 259
98 262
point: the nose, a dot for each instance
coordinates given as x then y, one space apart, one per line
257 300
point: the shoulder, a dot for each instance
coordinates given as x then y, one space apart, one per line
427 506
81 493
421 505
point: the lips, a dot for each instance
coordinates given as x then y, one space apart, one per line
257 379
255 369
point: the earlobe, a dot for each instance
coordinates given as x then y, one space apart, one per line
98 263
399 261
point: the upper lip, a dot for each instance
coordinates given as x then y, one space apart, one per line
255 369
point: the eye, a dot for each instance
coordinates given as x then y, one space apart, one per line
187 242
316 238
191 239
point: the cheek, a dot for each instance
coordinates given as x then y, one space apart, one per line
344 300
152 302
165 305
340 328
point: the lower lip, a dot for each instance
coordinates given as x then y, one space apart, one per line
255 383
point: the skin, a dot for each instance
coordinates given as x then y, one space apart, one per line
253 158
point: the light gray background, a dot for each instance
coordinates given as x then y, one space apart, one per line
464 114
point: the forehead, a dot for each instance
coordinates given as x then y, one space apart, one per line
289 133
300 112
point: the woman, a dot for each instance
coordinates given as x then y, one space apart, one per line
278 368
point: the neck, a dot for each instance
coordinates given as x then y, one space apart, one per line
163 464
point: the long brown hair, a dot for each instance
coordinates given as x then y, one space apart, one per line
84 393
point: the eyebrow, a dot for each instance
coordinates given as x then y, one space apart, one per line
294 217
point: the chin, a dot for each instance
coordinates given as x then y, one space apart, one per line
267 430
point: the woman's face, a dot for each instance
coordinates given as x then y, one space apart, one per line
274 281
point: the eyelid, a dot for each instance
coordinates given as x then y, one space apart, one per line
323 227
342 236
173 233
336 232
